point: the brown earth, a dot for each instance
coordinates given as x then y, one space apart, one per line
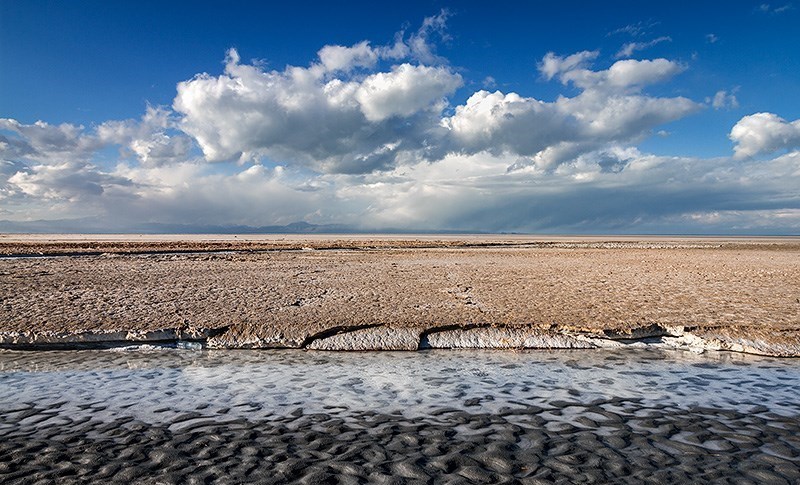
358 292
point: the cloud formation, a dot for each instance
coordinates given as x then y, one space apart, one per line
330 122
724 100
610 109
764 133
630 48
69 181
774 9
390 136
635 30
42 141
153 140
324 116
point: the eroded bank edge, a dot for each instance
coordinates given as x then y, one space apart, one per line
386 337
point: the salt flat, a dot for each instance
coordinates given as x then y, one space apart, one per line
359 292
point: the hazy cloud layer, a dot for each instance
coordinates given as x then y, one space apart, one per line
724 100
387 136
774 9
42 141
630 48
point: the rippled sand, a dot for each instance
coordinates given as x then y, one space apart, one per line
443 417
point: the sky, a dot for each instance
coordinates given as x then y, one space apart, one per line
535 117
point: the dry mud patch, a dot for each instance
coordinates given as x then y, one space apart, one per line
731 296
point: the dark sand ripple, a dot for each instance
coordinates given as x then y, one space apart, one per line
632 442
480 418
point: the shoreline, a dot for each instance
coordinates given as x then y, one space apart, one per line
411 292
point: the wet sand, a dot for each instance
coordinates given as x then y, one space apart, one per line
372 447
402 292
408 417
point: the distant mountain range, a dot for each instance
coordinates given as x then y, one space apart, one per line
97 226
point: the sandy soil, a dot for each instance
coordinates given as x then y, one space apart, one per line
741 294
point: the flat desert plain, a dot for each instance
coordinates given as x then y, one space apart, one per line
408 292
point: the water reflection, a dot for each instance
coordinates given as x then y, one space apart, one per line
413 383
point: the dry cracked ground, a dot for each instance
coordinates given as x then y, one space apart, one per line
363 293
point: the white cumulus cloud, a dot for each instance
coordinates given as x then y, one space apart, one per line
610 109
299 115
627 74
553 65
153 139
762 133
405 91
341 58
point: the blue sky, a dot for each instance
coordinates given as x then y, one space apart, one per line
515 116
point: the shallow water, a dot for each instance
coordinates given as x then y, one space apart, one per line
174 416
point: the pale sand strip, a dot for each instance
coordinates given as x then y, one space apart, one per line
390 292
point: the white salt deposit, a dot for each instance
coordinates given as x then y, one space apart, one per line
156 385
